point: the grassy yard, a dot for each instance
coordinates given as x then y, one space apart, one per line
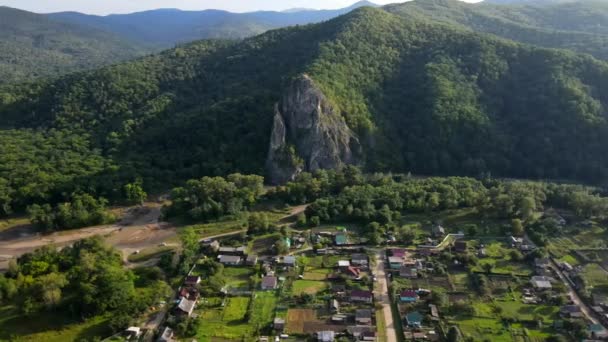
307 286
595 275
226 322
312 273
48 327
264 306
238 277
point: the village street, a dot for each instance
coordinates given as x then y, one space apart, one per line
381 295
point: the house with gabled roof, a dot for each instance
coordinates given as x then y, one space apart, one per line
361 296
414 319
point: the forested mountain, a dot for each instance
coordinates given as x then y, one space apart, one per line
577 25
167 27
32 45
402 95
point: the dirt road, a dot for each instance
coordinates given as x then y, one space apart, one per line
138 229
574 295
382 297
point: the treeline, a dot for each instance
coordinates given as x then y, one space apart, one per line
381 198
213 197
83 280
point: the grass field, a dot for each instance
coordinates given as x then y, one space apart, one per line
150 253
307 286
49 327
296 318
13 222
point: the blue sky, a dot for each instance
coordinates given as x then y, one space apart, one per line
127 6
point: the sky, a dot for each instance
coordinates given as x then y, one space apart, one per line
103 7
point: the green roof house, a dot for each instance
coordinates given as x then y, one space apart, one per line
341 239
414 319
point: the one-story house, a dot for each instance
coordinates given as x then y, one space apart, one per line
251 260
352 272
414 319
269 283
230 260
359 259
397 252
334 306
395 263
289 260
166 336
541 283
434 312
361 296
571 311
343 263
597 331
408 296
408 271
341 239
278 323
192 280
363 316
185 307
326 336
460 246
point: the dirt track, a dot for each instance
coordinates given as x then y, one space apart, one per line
138 229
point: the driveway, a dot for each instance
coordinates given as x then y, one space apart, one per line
382 297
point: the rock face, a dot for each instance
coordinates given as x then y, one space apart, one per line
307 134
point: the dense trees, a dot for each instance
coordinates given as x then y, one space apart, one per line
81 211
84 279
32 46
213 197
422 97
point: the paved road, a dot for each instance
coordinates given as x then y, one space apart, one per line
381 295
574 295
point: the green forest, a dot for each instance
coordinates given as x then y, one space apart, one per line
423 97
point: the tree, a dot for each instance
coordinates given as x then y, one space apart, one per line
517 227
301 220
135 193
281 246
487 267
454 334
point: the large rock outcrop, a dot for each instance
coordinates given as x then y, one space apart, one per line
307 134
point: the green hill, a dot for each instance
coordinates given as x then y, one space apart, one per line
415 95
576 25
32 45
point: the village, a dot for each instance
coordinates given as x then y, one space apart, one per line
449 285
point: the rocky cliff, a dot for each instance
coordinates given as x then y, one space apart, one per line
307 134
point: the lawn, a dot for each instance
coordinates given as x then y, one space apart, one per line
325 261
238 277
49 327
307 286
316 273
